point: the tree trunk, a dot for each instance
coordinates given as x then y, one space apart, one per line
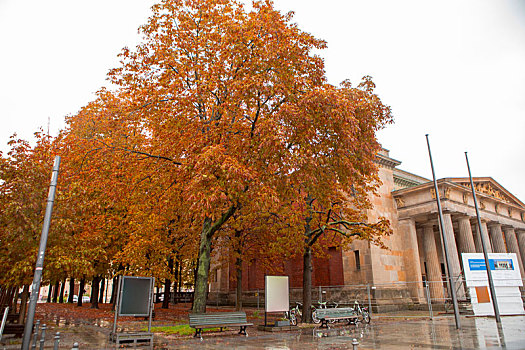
95 284
71 290
9 300
49 291
62 289
203 260
238 299
180 276
55 291
203 269
177 279
167 287
102 289
114 289
23 304
307 285
15 299
81 291
167 294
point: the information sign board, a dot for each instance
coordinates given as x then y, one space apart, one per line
276 294
135 296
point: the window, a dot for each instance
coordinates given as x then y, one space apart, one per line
357 260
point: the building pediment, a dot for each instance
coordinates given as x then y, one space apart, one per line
489 187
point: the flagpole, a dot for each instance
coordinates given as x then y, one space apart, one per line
484 245
445 245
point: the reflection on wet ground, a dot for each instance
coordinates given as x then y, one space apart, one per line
476 333
440 333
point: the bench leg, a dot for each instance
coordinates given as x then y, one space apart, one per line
198 333
243 331
324 324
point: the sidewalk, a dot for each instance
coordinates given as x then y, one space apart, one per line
387 331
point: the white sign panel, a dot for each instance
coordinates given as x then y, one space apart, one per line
504 267
276 294
507 280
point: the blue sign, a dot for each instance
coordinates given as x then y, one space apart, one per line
477 264
495 264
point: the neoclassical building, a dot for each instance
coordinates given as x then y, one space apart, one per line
396 276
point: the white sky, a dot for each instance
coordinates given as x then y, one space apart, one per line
453 69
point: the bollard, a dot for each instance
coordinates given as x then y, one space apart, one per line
75 346
35 335
57 340
43 337
355 343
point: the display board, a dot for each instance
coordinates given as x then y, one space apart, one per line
276 294
135 296
507 280
504 267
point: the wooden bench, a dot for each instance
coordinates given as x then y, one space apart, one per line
334 314
16 329
219 320
13 318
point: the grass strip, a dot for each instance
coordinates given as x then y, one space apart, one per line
180 329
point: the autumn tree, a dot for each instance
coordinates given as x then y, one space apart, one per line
228 110
204 90
24 183
334 172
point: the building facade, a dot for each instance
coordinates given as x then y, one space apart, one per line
396 276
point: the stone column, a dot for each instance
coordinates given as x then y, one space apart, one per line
520 234
432 263
477 240
466 240
512 246
412 263
479 247
453 254
496 236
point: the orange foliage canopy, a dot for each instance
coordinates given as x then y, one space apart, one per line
221 122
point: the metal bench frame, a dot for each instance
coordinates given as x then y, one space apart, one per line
326 315
219 320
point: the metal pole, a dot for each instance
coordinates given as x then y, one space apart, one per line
151 304
444 239
117 307
429 301
484 246
3 321
40 259
369 301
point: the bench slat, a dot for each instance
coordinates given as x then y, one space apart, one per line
335 313
218 319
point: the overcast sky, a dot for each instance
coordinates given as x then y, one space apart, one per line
453 69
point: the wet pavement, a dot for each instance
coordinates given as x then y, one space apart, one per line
440 333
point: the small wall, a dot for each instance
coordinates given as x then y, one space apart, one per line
383 299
